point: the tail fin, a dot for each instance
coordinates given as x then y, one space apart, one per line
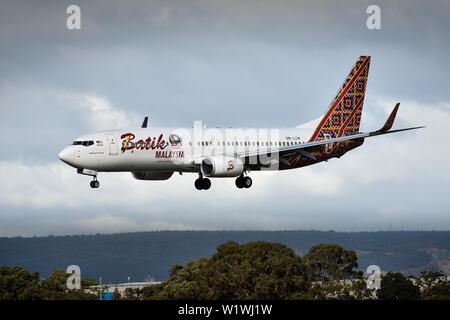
344 114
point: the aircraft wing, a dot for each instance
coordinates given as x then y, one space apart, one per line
305 149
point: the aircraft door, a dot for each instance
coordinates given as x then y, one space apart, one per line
113 146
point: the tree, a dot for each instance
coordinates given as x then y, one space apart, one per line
395 286
331 262
439 291
434 285
428 279
355 289
256 270
18 284
55 288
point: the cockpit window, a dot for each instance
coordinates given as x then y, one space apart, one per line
83 143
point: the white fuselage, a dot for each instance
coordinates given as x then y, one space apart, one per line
171 149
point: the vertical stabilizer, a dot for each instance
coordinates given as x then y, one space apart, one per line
344 114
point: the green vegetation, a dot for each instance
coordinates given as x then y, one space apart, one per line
255 270
334 273
327 262
395 286
18 284
115 257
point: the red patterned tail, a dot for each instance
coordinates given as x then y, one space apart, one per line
344 114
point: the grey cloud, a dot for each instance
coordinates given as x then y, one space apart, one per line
229 63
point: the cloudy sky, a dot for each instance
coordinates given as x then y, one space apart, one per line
229 63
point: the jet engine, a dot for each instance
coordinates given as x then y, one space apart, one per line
151 175
222 166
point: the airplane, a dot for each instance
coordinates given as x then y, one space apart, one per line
153 153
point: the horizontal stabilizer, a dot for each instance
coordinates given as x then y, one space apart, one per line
377 133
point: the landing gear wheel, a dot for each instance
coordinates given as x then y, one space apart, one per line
198 184
202 184
206 184
240 182
95 184
247 182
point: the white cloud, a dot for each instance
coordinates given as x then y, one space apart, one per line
109 222
102 115
98 112
113 223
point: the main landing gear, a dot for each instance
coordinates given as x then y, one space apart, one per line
202 183
243 182
95 183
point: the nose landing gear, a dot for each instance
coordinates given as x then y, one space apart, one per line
95 183
92 173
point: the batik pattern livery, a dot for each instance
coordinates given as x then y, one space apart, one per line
342 118
344 114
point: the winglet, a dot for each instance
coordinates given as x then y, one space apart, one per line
144 124
390 121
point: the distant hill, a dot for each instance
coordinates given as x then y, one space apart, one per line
115 257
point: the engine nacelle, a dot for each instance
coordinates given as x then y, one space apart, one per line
222 166
151 175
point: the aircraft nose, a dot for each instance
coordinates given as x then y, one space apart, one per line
65 155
